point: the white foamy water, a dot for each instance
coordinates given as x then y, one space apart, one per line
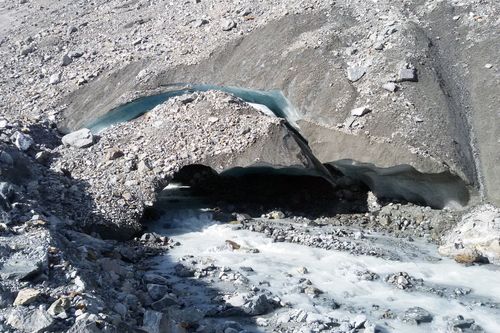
335 274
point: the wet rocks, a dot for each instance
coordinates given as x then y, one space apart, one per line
417 315
402 280
259 305
462 325
79 139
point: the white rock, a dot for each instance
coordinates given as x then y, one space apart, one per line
80 139
479 230
22 141
55 78
361 111
390 86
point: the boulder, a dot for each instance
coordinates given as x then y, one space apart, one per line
26 296
35 320
22 141
80 139
476 237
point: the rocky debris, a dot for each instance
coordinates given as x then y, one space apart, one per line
402 280
326 238
259 305
460 324
169 137
355 73
416 315
79 139
28 320
476 238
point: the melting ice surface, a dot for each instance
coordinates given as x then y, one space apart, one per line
271 102
334 273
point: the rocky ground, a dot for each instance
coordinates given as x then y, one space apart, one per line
76 256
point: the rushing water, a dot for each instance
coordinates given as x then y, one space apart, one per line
271 102
331 271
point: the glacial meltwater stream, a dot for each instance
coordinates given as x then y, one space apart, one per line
220 268
261 265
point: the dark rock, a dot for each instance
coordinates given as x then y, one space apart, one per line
417 315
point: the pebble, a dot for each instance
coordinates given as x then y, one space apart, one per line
407 74
228 25
55 78
361 111
355 73
390 86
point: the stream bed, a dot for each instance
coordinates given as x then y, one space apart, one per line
287 274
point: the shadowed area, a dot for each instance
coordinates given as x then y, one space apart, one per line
404 182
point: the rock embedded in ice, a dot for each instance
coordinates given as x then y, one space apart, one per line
79 139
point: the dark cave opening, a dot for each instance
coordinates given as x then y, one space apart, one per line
258 190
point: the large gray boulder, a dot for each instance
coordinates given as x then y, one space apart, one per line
30 320
478 234
82 138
